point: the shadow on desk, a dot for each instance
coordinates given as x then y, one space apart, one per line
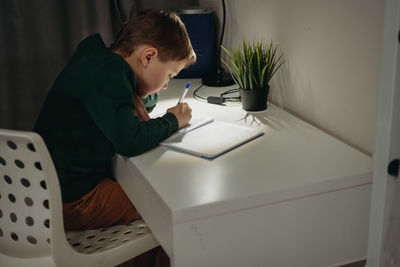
267 118
154 156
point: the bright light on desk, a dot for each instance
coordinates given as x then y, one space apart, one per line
207 189
211 188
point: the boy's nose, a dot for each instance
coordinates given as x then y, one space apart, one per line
165 86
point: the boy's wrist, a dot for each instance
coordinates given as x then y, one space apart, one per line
171 117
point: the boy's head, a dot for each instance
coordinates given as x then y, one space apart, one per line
156 45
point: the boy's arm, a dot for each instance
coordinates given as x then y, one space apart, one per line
141 110
143 106
111 107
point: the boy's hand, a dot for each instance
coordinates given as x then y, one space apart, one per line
183 113
140 110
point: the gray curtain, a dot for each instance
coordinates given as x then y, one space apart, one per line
38 37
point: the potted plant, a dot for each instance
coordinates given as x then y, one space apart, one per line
252 66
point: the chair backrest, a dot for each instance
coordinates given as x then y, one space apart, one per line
27 207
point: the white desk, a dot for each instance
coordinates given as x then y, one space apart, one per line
293 197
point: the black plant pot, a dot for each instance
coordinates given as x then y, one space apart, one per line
254 100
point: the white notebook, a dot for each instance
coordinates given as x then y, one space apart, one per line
209 139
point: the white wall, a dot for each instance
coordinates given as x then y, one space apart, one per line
333 52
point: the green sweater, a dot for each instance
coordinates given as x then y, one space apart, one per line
88 116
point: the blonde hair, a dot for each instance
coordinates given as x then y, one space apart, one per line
162 29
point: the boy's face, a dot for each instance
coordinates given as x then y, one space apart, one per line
156 75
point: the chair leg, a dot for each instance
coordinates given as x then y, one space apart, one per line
163 259
147 259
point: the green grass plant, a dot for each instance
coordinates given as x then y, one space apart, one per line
253 64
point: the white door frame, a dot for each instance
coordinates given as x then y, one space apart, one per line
387 129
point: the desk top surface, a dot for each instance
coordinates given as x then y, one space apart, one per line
293 159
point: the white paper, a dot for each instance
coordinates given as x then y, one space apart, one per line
195 123
212 139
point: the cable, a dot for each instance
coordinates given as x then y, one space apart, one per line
198 97
218 77
235 90
221 38
219 100
230 98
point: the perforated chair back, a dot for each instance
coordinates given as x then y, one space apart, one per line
31 222
25 202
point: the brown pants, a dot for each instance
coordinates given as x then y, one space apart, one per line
106 205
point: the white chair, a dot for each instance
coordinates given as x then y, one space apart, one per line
31 222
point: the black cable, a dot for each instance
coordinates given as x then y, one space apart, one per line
230 98
218 77
221 38
230 91
217 99
198 97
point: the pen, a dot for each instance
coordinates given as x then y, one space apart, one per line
184 92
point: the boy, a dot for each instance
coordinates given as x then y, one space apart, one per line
95 110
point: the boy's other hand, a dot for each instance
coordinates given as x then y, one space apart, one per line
140 110
183 114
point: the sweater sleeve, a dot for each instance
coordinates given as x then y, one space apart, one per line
111 107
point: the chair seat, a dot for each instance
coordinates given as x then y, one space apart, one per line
98 240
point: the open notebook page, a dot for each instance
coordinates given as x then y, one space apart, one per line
195 123
213 139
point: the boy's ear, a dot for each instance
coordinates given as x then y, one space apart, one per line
148 55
